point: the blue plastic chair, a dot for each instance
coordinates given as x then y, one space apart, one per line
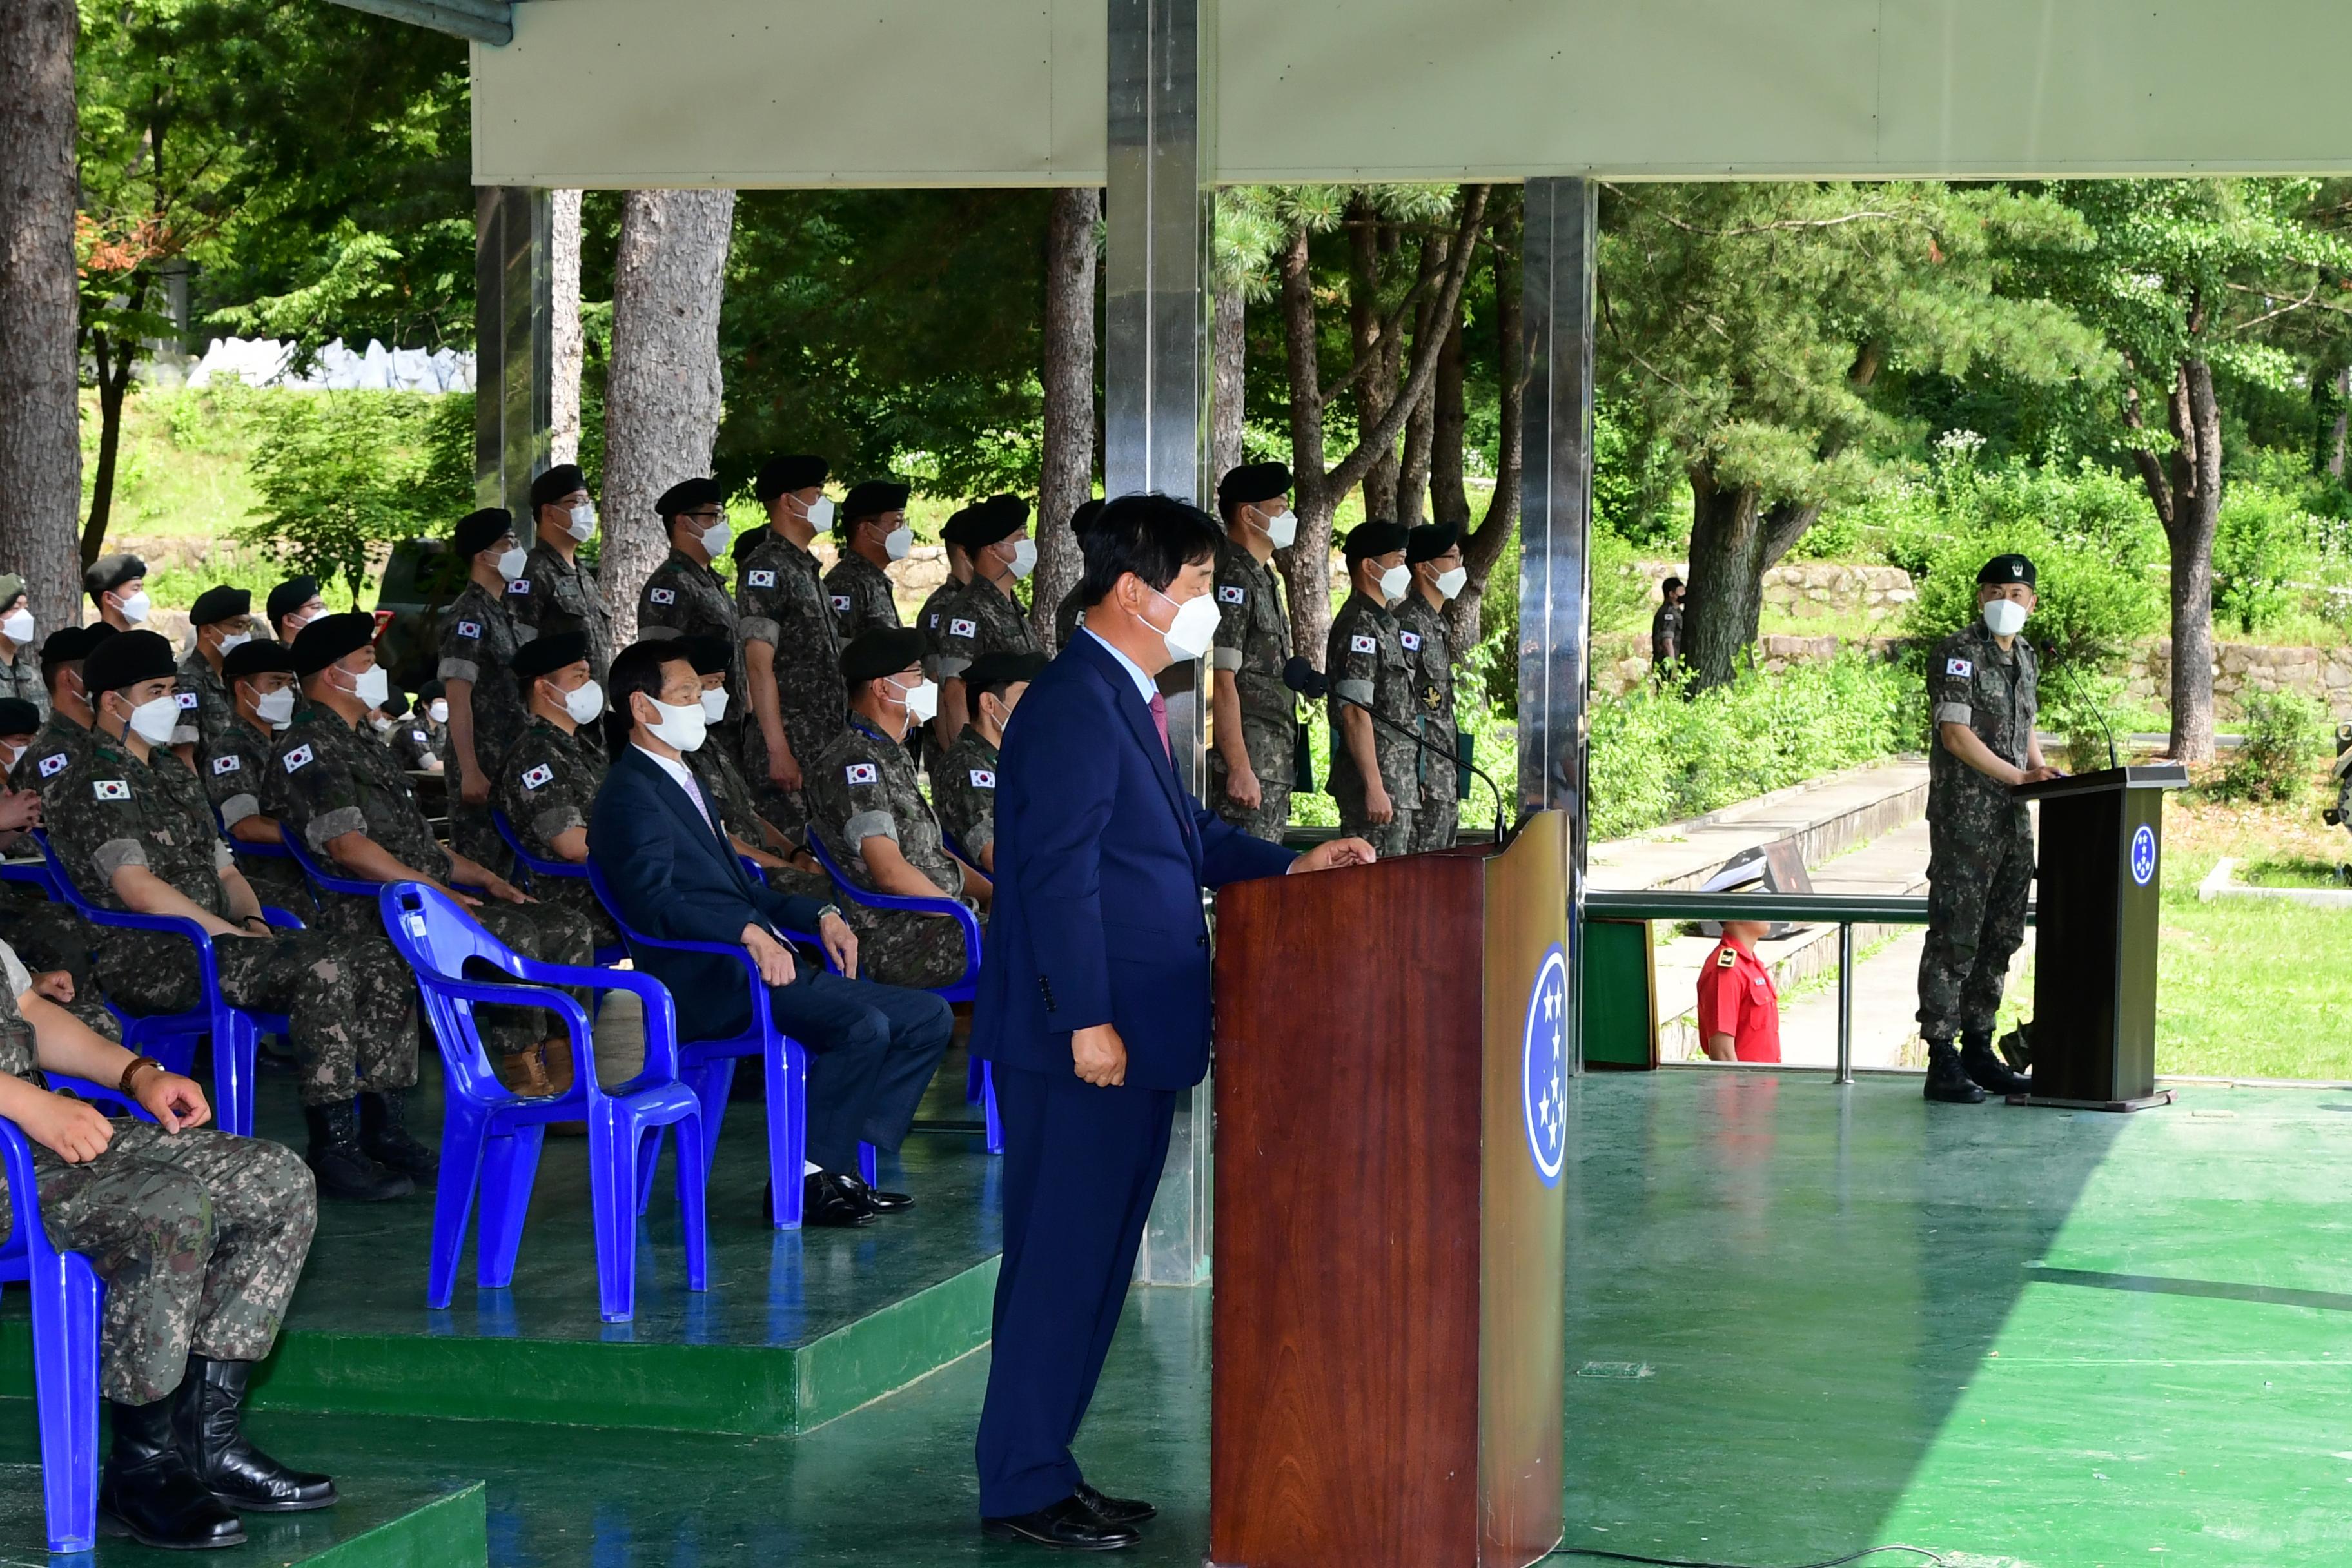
171 1037
323 881
66 1295
529 865
490 1137
960 990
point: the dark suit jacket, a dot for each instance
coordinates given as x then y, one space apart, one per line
677 879
1100 858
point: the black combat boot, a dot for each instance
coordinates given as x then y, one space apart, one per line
1947 1081
1977 1060
207 1426
344 1169
383 1134
148 1492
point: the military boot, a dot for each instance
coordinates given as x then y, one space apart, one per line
1977 1060
345 1170
1947 1081
147 1491
207 1426
383 1134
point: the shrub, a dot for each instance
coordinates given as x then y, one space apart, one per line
2286 737
2263 544
339 471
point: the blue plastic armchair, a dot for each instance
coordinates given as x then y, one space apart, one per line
66 1297
490 1137
321 878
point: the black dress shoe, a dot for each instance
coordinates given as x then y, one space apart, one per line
825 1201
1116 1509
876 1198
1068 1524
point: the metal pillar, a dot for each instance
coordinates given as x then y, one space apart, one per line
1556 525
1161 205
514 342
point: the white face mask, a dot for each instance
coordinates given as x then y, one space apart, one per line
510 563
584 704
1394 582
9 755
371 687
234 641
2004 618
1024 557
679 727
715 538
897 542
1282 531
275 708
820 513
18 626
714 705
134 608
154 721
383 726
1450 584
1194 628
583 521
922 700
439 709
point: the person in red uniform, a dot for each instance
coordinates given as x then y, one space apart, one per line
1739 1007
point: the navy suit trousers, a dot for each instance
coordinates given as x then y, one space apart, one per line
1081 1167
872 1051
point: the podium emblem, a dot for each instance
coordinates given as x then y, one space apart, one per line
1543 1067
2143 854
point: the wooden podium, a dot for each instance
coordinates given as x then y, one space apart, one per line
1392 1135
2097 892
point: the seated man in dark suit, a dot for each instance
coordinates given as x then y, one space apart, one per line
655 835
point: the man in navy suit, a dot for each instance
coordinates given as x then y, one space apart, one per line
1094 999
655 838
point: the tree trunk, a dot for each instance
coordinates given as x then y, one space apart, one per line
1229 357
113 359
1724 599
2196 510
662 391
1421 425
1496 530
2341 426
1066 475
1449 499
570 345
1375 382
40 413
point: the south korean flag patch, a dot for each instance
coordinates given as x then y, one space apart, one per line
1959 667
841 603
227 764
1411 641
1234 593
662 595
112 789
960 628
186 699
519 585
298 758
761 579
538 777
53 764
1360 643
469 629
863 773
983 778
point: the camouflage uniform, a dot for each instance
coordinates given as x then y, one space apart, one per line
546 784
348 1006
1980 837
860 595
963 791
982 619
1366 660
1429 649
783 604
199 1236
1253 645
326 779
49 934
234 765
863 784
739 818
21 678
931 621
206 708
413 744
1066 614
557 595
683 599
479 634
57 746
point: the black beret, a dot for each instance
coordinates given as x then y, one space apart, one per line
708 654
1369 538
1083 518
555 484
872 497
430 690
1429 541
126 660
991 671
478 531
220 603
393 704
959 525
110 572
331 637
1252 482
998 517
259 657
547 654
289 596
66 645
686 496
18 717
2007 569
885 650
781 476
96 633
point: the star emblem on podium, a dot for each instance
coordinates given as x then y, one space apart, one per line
1544 1068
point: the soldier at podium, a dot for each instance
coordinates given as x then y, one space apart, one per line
1980 687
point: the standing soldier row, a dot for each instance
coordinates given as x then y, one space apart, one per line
791 645
1254 764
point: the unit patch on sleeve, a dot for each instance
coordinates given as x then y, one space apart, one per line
862 773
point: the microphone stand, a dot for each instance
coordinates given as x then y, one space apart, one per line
1502 836
2049 651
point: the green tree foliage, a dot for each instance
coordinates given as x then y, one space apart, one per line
2285 741
2264 548
342 473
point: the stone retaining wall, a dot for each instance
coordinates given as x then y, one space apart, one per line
1812 590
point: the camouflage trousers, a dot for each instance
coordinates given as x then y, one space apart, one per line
1977 887
903 947
1389 839
545 932
52 939
574 894
789 812
278 882
199 1237
1437 816
348 1005
472 834
1273 744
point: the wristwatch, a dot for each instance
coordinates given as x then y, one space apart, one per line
828 910
123 1085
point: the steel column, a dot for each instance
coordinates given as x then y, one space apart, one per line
1555 527
514 342
1160 206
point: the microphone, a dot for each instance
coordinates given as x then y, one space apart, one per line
2049 651
1313 685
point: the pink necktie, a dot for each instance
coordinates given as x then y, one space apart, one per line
1160 722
